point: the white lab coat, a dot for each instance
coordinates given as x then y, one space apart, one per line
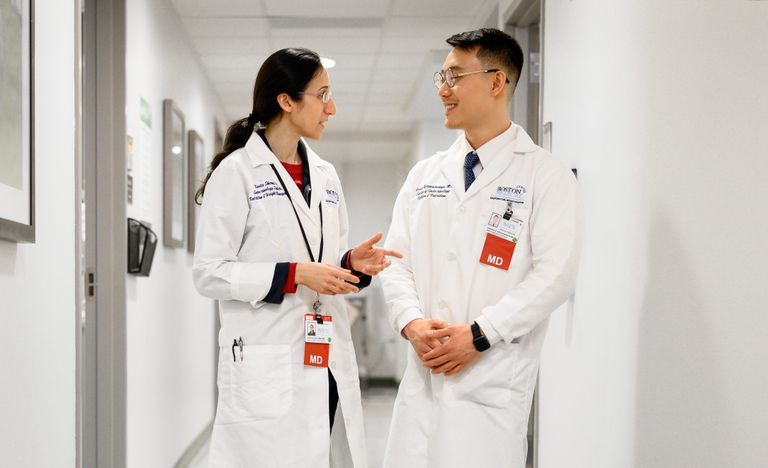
478 417
272 409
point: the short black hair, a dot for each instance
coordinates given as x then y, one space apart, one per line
494 47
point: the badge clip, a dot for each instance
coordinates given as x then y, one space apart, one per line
318 315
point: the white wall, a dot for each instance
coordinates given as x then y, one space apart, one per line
430 137
370 188
37 281
171 332
660 361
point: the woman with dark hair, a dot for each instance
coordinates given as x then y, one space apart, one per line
271 248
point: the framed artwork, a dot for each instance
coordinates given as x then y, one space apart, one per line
17 157
196 170
174 193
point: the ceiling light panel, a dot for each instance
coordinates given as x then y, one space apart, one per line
325 27
227 27
231 46
406 45
233 62
243 83
399 61
330 46
233 76
234 8
426 27
434 8
327 8
353 61
351 33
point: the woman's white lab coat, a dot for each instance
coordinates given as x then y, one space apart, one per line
478 417
272 409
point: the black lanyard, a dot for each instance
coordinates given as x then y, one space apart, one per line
298 220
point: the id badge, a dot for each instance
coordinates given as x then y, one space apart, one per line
317 340
500 241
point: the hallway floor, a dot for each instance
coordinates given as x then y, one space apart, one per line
377 410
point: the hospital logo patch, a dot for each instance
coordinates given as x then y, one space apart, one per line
331 196
514 194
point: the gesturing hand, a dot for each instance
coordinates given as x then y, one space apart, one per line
417 333
326 279
455 352
369 259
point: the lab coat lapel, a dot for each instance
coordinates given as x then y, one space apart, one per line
319 181
452 166
489 174
520 145
260 154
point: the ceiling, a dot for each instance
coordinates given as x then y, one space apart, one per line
384 52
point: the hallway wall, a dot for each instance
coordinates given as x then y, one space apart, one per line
170 327
37 281
660 360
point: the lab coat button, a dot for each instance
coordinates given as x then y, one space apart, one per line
333 364
442 305
462 209
451 256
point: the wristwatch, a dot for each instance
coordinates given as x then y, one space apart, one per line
478 339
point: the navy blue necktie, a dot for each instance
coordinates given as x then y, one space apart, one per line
469 162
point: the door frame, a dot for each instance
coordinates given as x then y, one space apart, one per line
101 233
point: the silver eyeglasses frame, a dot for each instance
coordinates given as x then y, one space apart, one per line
449 77
325 96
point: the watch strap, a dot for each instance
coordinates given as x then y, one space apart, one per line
478 339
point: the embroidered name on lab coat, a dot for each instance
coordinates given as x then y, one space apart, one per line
331 196
514 194
266 190
432 191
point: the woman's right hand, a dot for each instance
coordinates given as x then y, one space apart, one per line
326 279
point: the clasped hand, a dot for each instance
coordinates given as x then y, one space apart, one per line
445 348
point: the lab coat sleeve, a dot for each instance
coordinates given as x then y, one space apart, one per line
216 271
398 280
555 244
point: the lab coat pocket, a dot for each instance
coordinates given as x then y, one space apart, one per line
488 381
257 386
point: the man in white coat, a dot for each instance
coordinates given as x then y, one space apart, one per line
488 230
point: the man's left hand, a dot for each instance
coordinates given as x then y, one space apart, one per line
369 259
455 353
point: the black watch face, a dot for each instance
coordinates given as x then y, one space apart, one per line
481 343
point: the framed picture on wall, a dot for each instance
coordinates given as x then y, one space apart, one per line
196 170
17 155
174 193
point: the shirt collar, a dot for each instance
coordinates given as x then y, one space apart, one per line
492 148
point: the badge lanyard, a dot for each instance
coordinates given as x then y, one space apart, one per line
316 305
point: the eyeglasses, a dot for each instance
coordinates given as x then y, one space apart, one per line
326 95
449 77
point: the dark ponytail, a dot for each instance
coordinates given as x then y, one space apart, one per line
286 71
